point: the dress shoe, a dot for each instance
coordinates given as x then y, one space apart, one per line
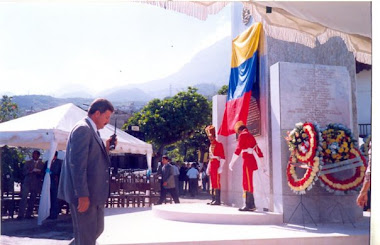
247 209
216 203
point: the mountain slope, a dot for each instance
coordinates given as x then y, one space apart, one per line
210 66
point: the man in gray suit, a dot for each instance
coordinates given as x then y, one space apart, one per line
33 172
168 181
84 180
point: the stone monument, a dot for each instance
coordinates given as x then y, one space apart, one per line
308 93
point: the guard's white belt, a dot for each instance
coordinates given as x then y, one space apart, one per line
214 157
248 150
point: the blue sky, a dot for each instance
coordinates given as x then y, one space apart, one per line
50 47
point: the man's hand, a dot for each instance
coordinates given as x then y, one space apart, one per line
362 199
233 161
220 170
83 204
208 169
165 184
108 143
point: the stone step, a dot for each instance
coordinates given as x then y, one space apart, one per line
208 214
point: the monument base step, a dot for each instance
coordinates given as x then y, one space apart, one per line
208 214
139 226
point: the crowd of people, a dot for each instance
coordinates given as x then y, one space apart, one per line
34 171
182 179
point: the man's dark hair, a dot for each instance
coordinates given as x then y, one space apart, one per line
38 153
242 127
165 157
101 105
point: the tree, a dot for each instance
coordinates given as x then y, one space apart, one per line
170 120
11 166
190 147
11 158
8 109
223 90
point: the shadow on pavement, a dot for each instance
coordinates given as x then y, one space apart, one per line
60 231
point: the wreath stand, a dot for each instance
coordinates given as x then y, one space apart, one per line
303 207
341 212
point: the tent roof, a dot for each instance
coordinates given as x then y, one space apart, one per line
300 22
39 129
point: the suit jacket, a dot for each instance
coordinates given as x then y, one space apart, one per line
85 170
33 179
55 171
168 175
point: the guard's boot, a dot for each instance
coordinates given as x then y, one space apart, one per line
217 197
212 196
253 202
249 202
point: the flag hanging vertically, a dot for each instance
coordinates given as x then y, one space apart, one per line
243 78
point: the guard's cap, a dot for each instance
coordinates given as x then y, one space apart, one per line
238 124
210 130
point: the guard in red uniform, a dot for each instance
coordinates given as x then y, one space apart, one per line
246 145
215 164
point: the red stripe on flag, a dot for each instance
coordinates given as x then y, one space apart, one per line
236 110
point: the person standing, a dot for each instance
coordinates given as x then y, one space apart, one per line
182 178
187 185
33 172
215 165
55 171
247 146
84 180
362 198
193 175
176 175
168 181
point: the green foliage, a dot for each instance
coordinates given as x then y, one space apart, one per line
11 166
174 119
11 158
176 155
197 142
8 109
223 90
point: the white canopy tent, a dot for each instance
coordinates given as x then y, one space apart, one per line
50 130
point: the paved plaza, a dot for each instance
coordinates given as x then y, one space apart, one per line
56 232
142 226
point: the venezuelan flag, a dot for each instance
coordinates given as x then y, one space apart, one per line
243 78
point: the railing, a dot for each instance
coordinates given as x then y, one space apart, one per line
364 129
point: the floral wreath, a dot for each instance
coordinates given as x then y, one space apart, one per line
303 142
339 151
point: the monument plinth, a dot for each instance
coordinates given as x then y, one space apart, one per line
308 93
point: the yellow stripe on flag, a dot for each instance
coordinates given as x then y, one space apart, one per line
245 45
